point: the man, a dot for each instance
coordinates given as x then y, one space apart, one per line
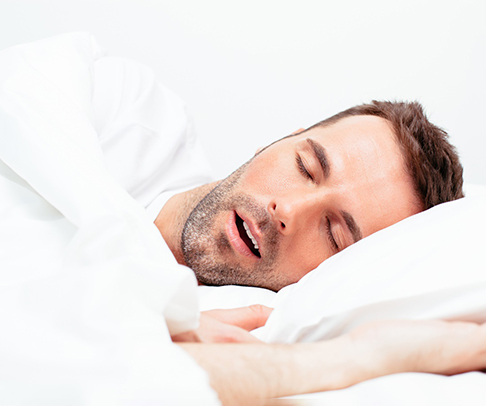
90 299
302 199
311 195
296 203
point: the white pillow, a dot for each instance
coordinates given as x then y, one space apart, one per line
430 265
231 296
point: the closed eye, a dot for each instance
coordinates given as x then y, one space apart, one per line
331 236
302 169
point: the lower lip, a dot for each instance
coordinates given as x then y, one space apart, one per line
234 237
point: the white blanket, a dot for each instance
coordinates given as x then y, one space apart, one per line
88 288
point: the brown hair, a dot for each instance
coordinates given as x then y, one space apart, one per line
432 162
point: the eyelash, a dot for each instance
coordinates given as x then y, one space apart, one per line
329 233
305 172
302 169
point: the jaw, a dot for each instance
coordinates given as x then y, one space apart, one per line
171 219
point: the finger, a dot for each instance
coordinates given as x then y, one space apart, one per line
188 337
243 336
248 318
211 330
233 335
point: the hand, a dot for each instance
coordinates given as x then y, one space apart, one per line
227 326
421 346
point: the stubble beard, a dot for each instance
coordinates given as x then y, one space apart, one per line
208 251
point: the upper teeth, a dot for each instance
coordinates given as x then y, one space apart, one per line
248 232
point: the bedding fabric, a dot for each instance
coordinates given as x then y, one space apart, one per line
89 291
408 389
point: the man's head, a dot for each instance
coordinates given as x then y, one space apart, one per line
308 196
431 161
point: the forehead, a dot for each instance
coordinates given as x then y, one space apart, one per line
367 170
358 134
360 145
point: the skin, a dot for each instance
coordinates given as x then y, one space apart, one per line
293 210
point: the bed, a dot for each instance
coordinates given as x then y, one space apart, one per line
90 293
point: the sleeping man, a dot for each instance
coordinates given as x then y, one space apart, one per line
296 203
91 294
306 197
311 195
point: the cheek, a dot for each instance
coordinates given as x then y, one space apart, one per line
302 255
269 174
298 266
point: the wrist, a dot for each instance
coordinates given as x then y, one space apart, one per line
354 362
338 362
360 357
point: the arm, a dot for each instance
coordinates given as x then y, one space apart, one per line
245 373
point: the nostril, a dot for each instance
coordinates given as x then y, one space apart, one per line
283 224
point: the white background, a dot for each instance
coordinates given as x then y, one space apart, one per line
253 71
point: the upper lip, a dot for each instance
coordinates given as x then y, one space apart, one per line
254 229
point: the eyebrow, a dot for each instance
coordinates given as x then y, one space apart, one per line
352 226
321 156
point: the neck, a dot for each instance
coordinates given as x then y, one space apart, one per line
171 219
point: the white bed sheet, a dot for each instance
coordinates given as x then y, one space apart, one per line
88 288
404 390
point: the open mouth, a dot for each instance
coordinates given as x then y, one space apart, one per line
246 236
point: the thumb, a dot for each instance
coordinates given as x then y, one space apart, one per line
248 318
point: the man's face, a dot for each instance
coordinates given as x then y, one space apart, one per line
302 199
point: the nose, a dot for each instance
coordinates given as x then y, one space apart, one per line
291 212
